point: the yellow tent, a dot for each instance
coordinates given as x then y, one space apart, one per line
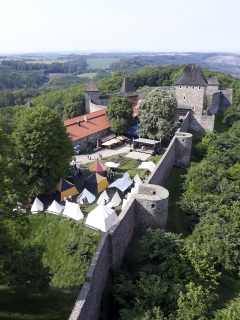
95 183
66 188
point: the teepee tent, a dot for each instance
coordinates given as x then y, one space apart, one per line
101 218
66 188
116 199
137 179
97 166
95 183
73 211
104 198
86 195
55 208
126 175
37 206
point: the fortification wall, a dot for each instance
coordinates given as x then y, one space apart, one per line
164 166
225 100
87 305
215 101
185 124
121 233
183 147
201 123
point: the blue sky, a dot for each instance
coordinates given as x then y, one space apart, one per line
119 25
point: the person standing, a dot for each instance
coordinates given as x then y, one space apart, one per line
65 199
70 197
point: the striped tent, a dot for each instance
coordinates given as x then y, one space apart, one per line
66 188
95 183
97 166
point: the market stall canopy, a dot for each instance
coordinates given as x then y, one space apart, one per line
95 183
66 188
73 211
97 166
86 195
37 206
101 218
115 141
112 164
122 184
55 208
147 165
104 198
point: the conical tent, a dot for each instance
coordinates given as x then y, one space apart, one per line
37 206
55 208
97 166
101 218
104 198
116 199
86 195
95 183
66 188
73 211
137 179
126 175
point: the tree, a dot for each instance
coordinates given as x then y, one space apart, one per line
157 115
12 184
119 113
43 148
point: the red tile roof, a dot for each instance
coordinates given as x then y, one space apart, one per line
96 121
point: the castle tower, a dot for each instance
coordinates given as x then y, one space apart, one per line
190 89
127 90
91 92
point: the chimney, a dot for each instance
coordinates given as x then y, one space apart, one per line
78 122
85 118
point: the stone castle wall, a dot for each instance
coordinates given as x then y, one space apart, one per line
190 97
97 106
225 100
185 124
215 102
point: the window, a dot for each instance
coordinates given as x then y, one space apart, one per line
186 87
199 88
180 87
192 87
153 206
184 98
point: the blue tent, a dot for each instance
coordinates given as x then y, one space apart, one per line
132 132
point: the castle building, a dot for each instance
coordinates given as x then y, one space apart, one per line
127 90
203 99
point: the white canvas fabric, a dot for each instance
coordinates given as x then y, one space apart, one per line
147 165
134 190
37 206
124 203
86 194
104 196
121 184
55 208
126 175
116 199
137 179
73 211
112 164
101 218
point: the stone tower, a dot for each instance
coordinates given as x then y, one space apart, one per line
91 93
127 90
190 89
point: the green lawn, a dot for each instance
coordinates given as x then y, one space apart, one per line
101 63
176 218
25 304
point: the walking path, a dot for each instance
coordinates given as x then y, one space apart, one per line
104 152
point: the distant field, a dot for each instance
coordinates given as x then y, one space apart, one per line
88 75
45 61
101 63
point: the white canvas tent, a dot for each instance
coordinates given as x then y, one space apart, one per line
112 164
126 175
101 218
122 184
115 201
86 194
37 206
137 179
73 211
147 165
55 208
104 198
